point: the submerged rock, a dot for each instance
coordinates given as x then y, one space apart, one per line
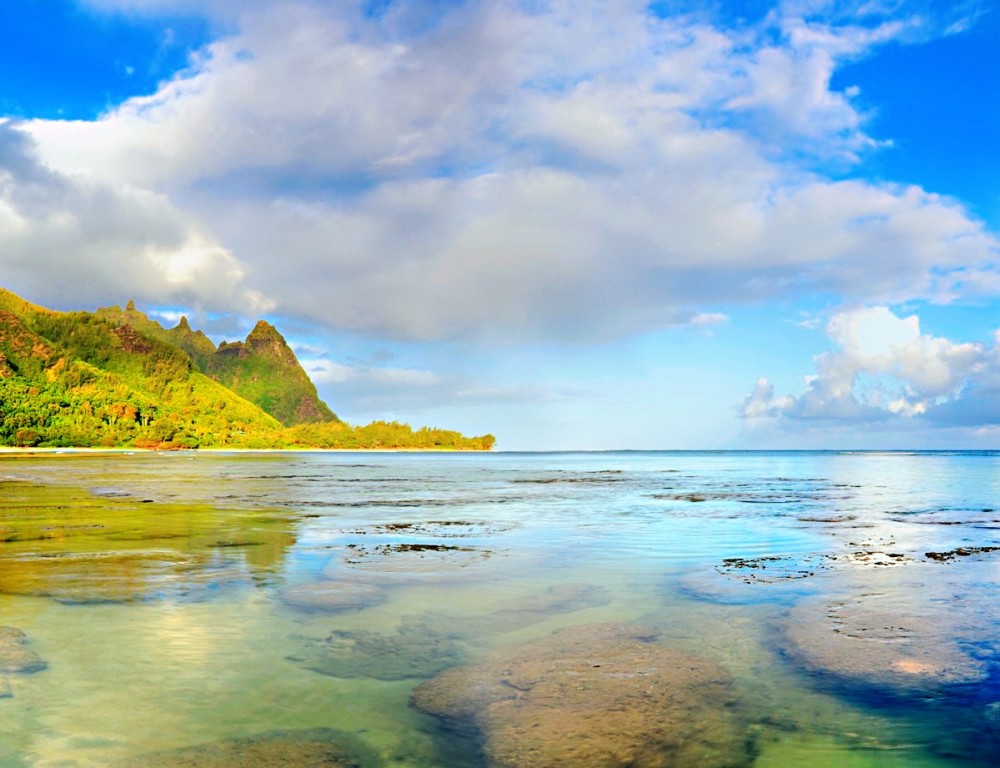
427 643
314 748
417 561
593 696
784 578
440 529
738 581
944 557
14 656
332 596
556 599
415 651
878 640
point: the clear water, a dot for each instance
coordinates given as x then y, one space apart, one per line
164 592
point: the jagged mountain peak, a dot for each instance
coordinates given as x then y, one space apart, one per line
130 316
265 334
115 377
263 369
263 328
107 378
264 339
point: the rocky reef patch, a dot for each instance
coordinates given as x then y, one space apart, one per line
414 651
441 529
593 696
313 748
423 561
881 640
427 643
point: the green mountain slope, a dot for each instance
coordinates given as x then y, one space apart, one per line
115 377
77 379
22 353
18 306
265 371
197 345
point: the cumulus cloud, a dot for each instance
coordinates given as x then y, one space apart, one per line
884 368
523 171
84 239
761 401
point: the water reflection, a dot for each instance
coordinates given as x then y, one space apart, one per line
806 609
79 547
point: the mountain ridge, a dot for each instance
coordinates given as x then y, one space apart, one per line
117 378
262 369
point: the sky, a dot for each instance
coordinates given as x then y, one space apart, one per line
575 225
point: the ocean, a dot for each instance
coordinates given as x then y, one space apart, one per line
707 609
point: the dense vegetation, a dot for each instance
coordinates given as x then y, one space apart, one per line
116 378
263 369
382 434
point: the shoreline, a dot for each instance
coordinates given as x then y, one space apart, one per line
9 450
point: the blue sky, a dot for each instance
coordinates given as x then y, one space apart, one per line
575 225
61 59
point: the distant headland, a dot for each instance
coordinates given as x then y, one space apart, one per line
116 378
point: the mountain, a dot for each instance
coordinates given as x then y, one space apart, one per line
77 379
116 377
18 306
263 369
197 345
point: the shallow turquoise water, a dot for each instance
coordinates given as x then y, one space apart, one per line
850 596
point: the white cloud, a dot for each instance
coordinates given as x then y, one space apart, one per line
220 8
492 169
790 82
873 332
167 317
302 90
760 402
327 371
708 319
884 368
324 371
361 392
65 239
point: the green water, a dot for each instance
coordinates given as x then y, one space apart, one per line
157 589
